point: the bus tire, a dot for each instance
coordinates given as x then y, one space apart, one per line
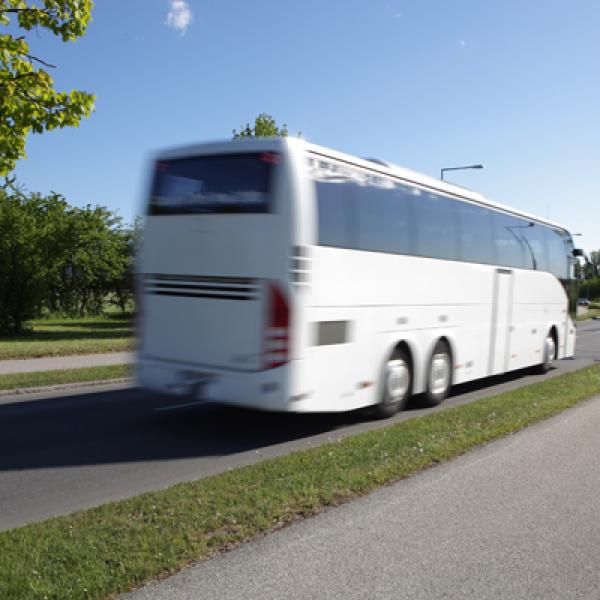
439 375
396 384
549 354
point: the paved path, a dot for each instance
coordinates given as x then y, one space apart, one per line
27 365
515 519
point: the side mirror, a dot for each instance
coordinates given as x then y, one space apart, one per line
577 252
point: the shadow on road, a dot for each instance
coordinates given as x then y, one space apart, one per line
124 426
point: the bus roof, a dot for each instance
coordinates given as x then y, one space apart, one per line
421 179
380 167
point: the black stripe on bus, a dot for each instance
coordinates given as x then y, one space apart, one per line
215 296
200 278
208 288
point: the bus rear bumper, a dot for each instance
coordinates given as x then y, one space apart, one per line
265 390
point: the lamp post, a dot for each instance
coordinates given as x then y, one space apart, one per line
458 169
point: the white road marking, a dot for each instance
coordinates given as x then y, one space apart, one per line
174 406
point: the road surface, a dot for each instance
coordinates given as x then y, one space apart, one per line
67 451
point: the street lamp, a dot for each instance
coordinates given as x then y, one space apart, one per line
458 169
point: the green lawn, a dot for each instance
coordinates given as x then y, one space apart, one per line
62 336
16 381
592 312
109 549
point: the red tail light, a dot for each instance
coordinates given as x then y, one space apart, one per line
277 330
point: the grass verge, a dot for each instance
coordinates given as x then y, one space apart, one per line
590 314
112 548
14 381
62 337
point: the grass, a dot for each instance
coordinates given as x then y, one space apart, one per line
62 337
591 313
110 549
15 381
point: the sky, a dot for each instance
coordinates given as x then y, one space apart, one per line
426 84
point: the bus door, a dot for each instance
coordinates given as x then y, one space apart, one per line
501 321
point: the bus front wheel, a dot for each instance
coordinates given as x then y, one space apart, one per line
396 384
549 351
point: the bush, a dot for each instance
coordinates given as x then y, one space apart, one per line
590 289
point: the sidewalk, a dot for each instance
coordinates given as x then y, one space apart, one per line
515 519
28 365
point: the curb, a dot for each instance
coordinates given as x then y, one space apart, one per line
65 386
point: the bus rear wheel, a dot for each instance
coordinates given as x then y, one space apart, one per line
396 384
439 375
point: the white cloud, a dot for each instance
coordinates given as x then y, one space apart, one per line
179 16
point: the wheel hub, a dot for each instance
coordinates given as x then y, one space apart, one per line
549 350
439 377
397 380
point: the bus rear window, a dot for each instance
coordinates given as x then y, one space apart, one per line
228 183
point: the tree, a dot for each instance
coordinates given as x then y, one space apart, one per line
23 264
122 284
264 126
28 100
595 260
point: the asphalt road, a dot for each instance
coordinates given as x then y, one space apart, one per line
68 451
512 520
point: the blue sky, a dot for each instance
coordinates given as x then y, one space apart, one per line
423 83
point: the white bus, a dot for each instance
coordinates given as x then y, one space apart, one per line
285 276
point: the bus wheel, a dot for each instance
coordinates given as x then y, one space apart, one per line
396 384
439 375
549 354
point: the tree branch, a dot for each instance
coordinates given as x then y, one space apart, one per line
20 10
43 62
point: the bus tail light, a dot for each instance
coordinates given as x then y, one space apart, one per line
276 343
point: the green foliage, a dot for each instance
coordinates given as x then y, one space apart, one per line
18 381
24 235
60 258
590 289
28 100
122 282
264 126
66 336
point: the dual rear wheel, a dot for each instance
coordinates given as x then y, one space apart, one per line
397 379
398 376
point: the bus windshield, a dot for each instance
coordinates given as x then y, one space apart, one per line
228 183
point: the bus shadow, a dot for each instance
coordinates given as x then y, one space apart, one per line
464 391
130 426
136 426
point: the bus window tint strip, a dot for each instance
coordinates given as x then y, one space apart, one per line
231 183
378 214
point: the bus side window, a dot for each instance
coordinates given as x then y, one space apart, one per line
534 235
559 252
475 234
334 213
384 220
436 222
510 249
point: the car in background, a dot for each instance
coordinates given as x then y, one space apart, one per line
583 302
